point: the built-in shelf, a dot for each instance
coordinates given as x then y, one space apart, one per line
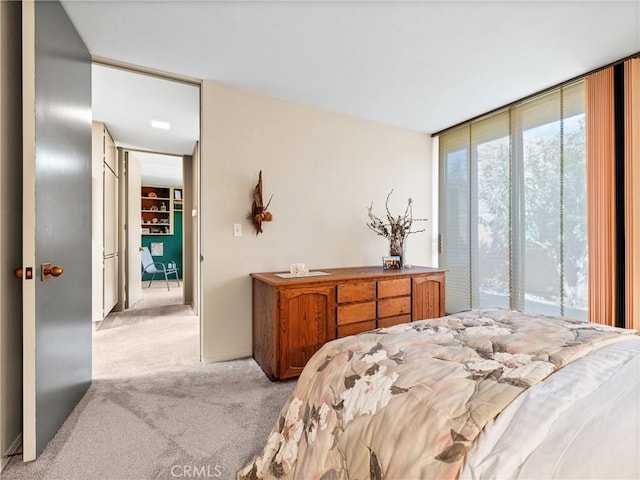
156 202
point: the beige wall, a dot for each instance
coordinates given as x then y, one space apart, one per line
191 234
10 229
194 251
323 170
187 231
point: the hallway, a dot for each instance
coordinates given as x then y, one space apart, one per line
156 334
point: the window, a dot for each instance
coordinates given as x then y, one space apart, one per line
513 208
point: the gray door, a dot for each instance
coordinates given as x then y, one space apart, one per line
56 221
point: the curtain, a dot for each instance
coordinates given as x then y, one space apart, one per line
600 139
632 192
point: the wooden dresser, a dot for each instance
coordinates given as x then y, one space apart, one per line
294 317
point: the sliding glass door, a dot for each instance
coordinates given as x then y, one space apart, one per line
513 208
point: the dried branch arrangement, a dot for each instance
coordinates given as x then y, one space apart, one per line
395 227
259 212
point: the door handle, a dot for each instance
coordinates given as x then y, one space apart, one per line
48 271
18 272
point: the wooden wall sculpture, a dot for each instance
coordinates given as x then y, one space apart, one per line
259 212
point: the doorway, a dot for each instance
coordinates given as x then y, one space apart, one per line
153 122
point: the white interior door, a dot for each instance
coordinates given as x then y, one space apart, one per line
134 230
56 221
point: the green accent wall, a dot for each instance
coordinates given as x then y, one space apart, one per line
172 245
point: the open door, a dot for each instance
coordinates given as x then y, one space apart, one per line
134 230
56 221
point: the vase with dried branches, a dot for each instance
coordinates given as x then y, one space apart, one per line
395 229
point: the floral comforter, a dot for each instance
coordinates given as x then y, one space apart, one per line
408 401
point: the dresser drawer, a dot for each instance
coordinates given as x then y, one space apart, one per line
391 307
356 292
354 328
391 321
356 312
394 288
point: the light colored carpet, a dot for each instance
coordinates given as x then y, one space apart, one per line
153 411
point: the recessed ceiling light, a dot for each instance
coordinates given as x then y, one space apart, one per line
160 125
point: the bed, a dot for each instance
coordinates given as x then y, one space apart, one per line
480 394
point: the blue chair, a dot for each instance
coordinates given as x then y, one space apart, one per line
149 266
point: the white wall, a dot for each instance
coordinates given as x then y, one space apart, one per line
323 170
10 229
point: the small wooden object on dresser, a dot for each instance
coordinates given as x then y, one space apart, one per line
294 317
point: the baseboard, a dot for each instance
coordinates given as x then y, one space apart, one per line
225 358
10 451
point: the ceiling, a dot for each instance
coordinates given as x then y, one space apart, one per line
158 169
417 65
127 102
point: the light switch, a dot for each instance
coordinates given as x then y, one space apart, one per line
237 230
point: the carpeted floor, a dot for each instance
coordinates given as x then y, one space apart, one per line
153 411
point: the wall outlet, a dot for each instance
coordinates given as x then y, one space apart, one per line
237 230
